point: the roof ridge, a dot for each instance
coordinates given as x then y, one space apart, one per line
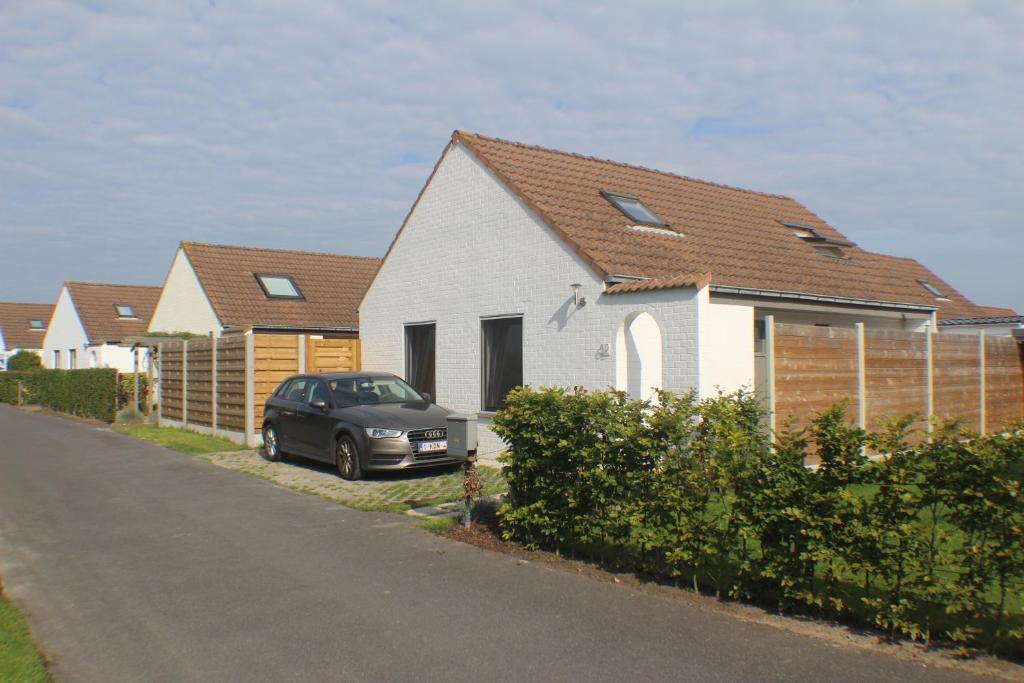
621 164
109 284
277 251
22 303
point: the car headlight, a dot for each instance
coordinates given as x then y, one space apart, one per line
381 433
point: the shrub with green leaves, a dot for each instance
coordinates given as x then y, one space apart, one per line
86 393
24 360
919 536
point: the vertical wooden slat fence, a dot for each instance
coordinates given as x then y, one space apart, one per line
220 385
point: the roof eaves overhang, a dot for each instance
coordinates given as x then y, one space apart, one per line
819 298
989 320
297 329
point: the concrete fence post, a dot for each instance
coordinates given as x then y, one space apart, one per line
213 383
184 382
302 353
250 389
769 380
929 360
862 388
981 381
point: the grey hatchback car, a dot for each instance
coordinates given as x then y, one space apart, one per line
359 422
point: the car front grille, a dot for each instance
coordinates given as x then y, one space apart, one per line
417 436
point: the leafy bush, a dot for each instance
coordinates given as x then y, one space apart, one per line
24 360
925 541
126 390
87 393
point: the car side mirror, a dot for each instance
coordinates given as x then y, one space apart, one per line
426 397
318 404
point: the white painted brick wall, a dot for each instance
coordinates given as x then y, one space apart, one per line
470 250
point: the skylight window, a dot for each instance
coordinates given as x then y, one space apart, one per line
832 252
633 207
278 286
36 325
124 311
932 289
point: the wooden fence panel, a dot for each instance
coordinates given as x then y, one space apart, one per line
1004 382
170 380
231 383
332 355
957 378
814 368
276 357
200 382
896 376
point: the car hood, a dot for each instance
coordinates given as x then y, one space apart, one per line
404 416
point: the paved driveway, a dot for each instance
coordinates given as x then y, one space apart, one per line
136 563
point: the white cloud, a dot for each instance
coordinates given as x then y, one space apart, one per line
132 126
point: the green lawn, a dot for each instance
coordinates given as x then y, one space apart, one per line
181 440
20 661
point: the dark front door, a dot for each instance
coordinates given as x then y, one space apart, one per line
419 358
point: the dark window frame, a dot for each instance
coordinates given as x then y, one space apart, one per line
487 370
282 276
612 196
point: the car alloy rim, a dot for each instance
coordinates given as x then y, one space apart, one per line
345 455
270 439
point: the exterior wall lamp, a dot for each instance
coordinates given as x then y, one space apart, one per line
577 295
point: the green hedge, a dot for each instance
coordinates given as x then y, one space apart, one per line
925 543
24 360
87 393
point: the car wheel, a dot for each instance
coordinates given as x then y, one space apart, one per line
346 458
271 444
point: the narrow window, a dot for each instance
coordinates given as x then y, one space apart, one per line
502 358
56 359
124 311
35 325
633 207
278 286
72 359
420 358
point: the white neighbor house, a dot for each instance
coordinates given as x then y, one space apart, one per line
22 328
92 324
522 265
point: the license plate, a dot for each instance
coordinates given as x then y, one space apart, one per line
432 446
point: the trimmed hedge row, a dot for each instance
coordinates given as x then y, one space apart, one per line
927 542
87 393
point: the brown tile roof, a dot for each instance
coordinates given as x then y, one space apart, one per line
14 324
698 280
331 285
736 235
95 305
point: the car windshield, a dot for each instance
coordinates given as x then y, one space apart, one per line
362 391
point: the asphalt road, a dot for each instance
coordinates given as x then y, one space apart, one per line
134 563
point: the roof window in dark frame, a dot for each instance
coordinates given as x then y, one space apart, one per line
36 324
633 208
932 289
278 286
124 310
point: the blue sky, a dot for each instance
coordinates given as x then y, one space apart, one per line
127 127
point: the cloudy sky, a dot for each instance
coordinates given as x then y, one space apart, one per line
127 127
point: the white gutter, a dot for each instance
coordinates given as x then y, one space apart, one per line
819 298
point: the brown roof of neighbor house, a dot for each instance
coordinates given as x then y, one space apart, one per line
738 236
697 280
14 324
331 285
95 303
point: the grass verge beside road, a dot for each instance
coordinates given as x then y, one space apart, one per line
20 660
181 440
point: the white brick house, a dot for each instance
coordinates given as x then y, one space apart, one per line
607 294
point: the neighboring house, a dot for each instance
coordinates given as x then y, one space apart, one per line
222 289
523 265
93 324
998 322
22 328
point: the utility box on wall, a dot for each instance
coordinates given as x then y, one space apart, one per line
461 435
